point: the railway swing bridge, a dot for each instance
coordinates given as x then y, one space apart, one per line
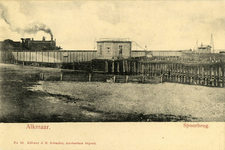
177 67
115 61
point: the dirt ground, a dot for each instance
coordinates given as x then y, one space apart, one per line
24 98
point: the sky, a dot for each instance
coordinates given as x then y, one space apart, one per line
77 25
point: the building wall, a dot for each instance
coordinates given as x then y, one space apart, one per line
112 49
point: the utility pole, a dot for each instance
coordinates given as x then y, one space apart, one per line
211 43
196 46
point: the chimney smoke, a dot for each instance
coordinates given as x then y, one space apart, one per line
35 27
32 28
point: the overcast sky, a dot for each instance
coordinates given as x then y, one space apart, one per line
158 25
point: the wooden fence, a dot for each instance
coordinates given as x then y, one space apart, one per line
207 74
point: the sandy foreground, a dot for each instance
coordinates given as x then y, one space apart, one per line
204 103
27 100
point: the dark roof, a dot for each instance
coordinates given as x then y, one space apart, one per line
41 41
114 41
204 46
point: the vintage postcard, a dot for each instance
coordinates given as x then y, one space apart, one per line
112 75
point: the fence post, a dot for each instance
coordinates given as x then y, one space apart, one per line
127 78
61 76
161 78
143 79
89 77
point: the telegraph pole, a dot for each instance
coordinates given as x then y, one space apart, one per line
212 44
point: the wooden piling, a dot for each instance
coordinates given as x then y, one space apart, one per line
179 73
214 75
191 75
112 66
186 75
129 67
139 68
182 73
152 70
218 76
176 73
195 75
167 71
123 67
135 69
156 69
142 69
210 76
170 72
203 76
106 67
118 67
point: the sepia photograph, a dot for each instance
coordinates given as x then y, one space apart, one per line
82 63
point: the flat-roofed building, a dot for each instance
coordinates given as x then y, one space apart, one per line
112 48
204 49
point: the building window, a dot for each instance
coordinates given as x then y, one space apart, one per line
100 49
108 49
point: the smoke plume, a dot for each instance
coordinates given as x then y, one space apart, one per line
35 27
31 28
4 13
